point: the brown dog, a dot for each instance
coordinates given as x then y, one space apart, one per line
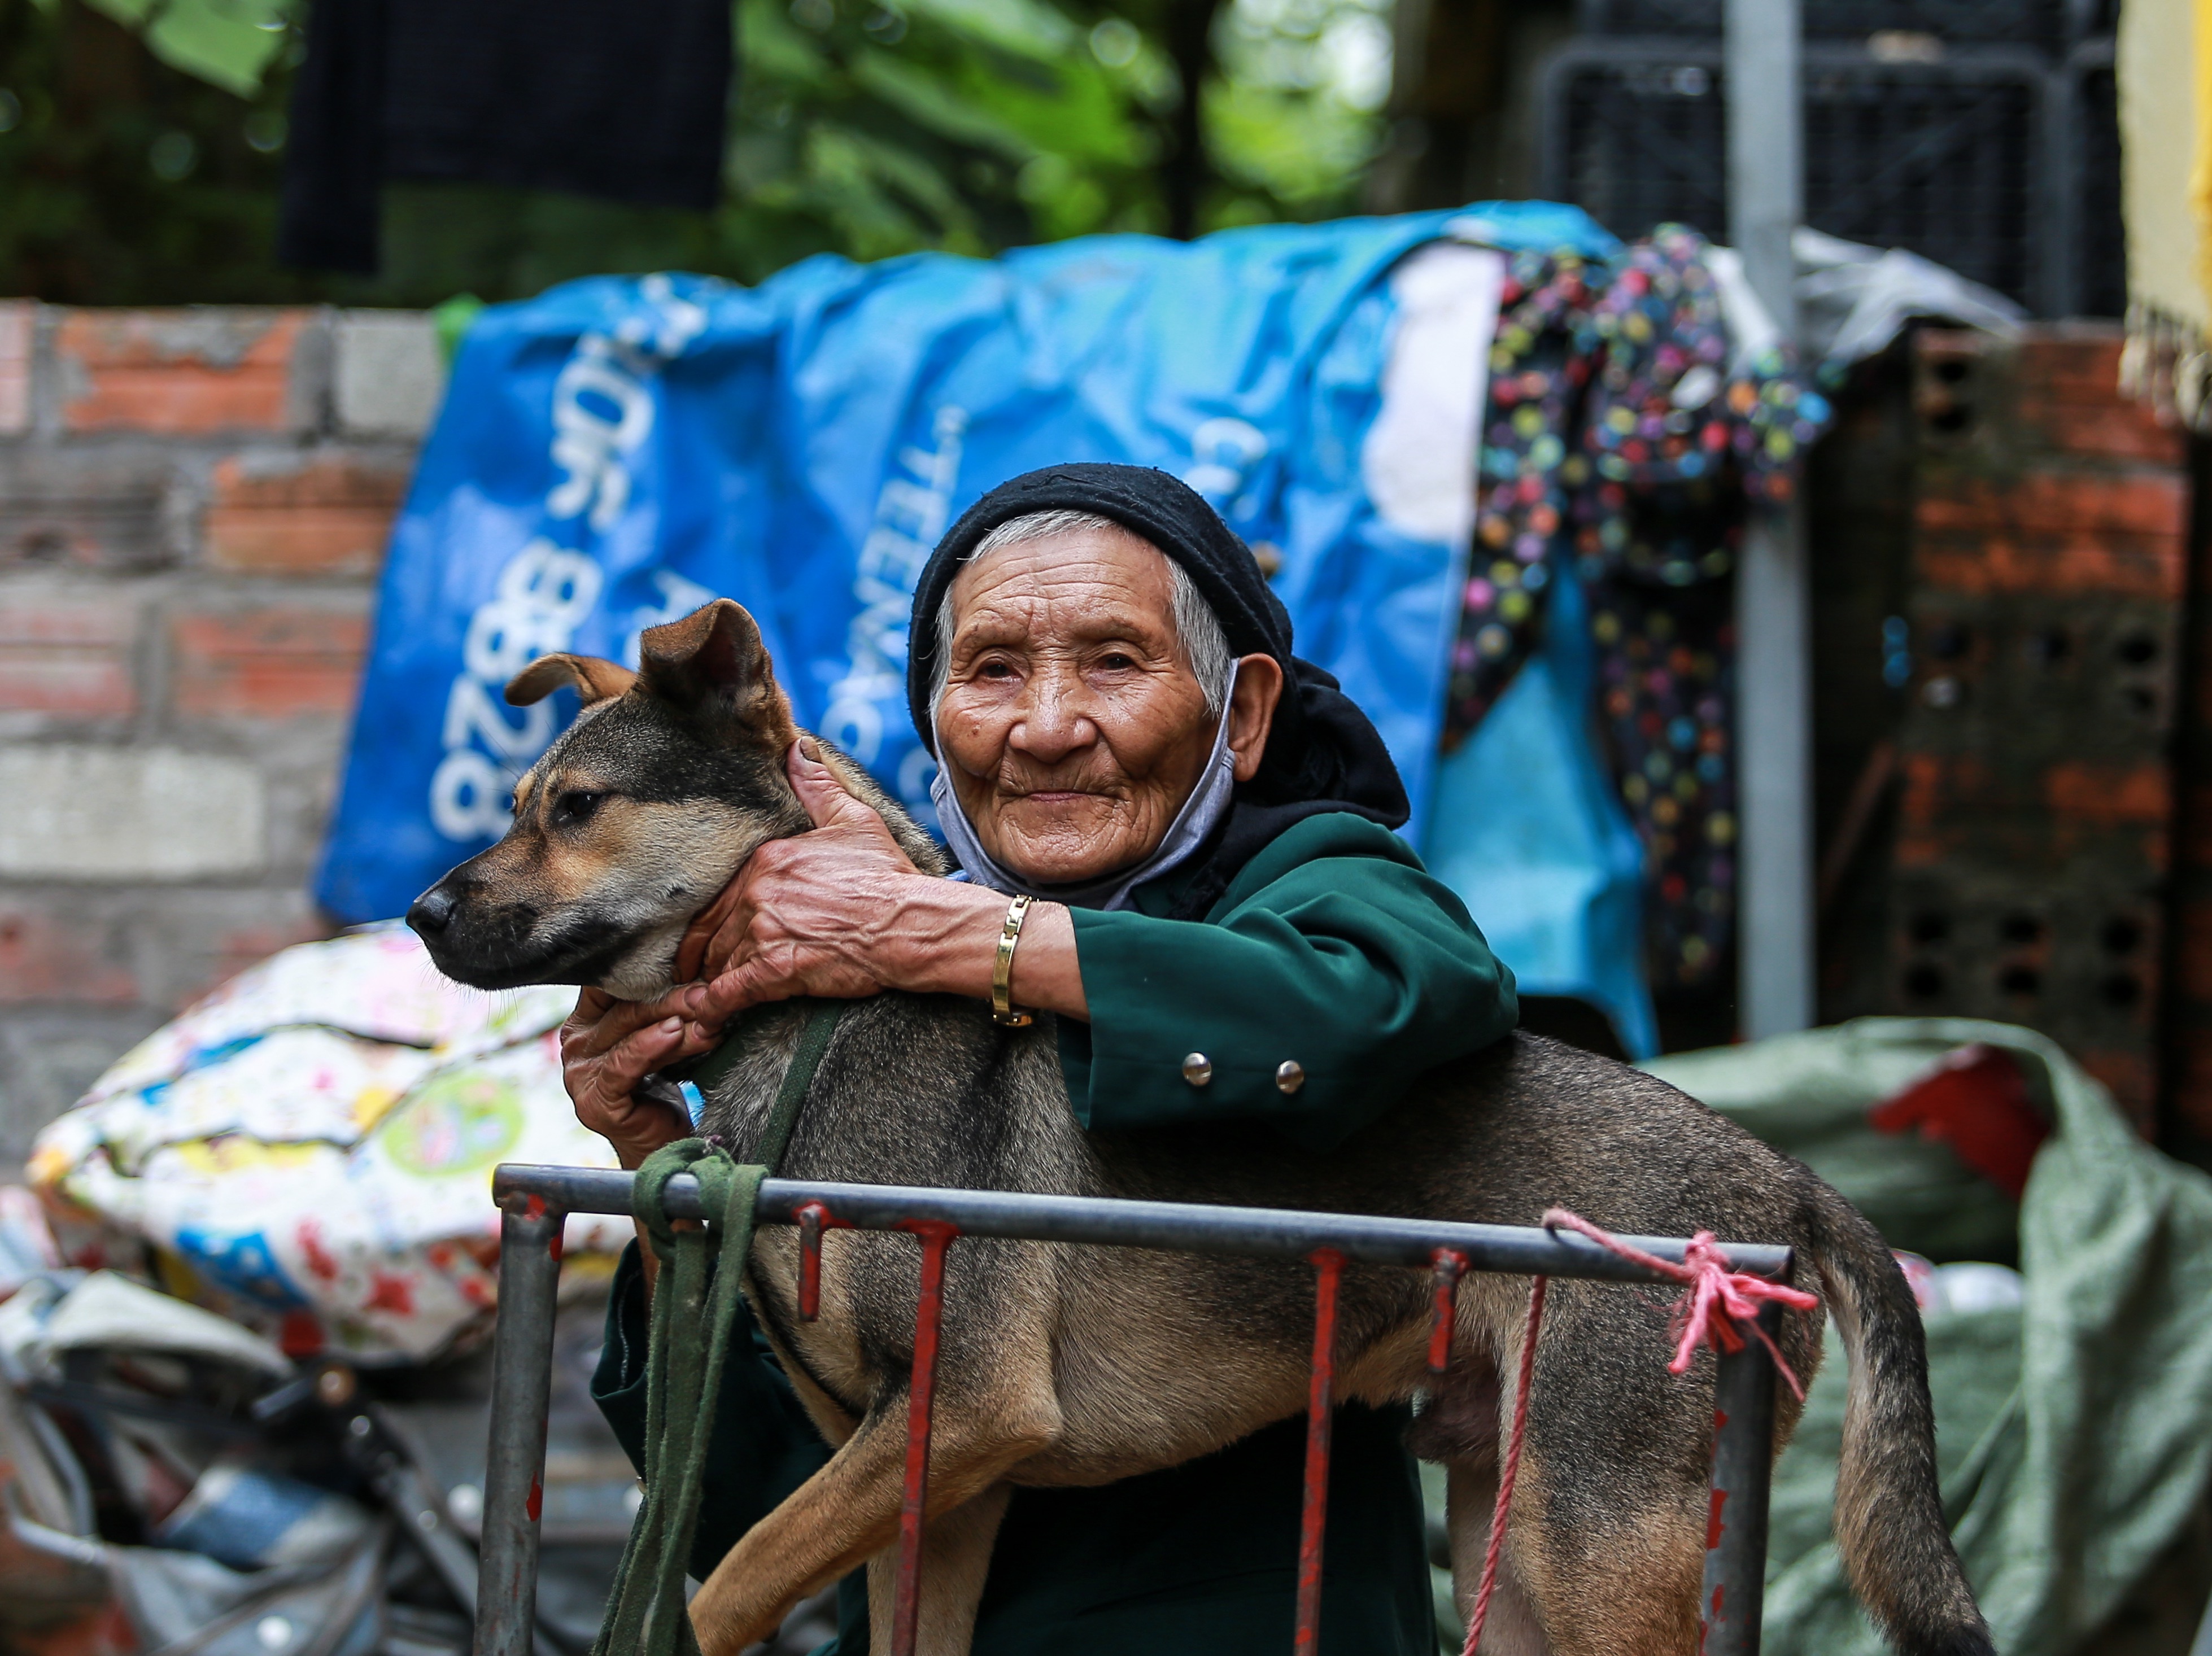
1080 1366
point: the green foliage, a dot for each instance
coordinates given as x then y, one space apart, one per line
123 180
226 43
145 170
1292 121
964 124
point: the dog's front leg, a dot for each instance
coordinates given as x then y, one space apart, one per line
955 1559
849 1511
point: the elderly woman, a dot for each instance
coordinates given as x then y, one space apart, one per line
1229 935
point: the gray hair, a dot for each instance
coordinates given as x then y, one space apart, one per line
1198 630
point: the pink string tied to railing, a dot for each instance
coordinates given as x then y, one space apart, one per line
1719 1302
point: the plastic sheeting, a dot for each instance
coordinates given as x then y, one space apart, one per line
2073 1432
614 453
1527 827
311 1146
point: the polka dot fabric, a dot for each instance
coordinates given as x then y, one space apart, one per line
1623 433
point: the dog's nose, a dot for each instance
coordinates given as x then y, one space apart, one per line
431 911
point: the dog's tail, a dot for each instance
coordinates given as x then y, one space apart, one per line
1889 1512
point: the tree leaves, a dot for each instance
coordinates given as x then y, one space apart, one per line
227 43
864 127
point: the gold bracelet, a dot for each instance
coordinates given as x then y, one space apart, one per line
1002 971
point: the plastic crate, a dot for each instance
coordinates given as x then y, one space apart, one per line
2045 25
1948 159
2099 270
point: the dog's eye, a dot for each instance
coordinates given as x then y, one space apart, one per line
576 805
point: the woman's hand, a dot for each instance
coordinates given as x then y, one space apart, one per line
842 913
608 1048
816 914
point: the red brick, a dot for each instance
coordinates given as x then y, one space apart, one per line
178 371
285 515
2109 796
2131 1077
17 317
2122 566
2111 430
277 663
1961 804
2076 366
68 657
2035 503
44 958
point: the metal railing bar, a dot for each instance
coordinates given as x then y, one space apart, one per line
1177 1227
1733 1596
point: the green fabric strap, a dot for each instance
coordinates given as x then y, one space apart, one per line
701 1276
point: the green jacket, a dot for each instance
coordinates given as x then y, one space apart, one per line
1334 949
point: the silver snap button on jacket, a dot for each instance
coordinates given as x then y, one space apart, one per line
1198 1069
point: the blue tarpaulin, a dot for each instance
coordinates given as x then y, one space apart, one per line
616 451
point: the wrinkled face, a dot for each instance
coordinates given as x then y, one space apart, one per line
1070 725
631 822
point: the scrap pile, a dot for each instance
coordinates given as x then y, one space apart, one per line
242 1325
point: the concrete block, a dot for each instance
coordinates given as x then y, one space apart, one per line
182 371
115 506
198 938
391 375
49 1056
112 813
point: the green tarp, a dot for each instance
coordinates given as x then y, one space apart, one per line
2074 1433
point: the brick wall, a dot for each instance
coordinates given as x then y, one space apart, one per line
193 505
2024 873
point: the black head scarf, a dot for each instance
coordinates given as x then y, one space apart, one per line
1323 753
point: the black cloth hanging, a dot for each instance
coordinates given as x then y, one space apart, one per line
625 102
1324 754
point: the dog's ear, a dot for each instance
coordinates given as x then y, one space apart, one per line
713 661
590 678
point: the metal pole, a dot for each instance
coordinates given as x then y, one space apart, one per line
1177 1227
1312 1522
1766 193
921 1399
1735 1534
521 1391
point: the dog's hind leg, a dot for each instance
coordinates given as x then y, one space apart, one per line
1460 1429
849 1511
1512 1628
1627 1585
956 1558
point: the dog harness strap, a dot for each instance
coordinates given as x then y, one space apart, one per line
701 1279
790 1098
712 1067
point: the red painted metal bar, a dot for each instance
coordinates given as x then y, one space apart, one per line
1328 1266
1732 1600
1451 1265
811 1218
921 1389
